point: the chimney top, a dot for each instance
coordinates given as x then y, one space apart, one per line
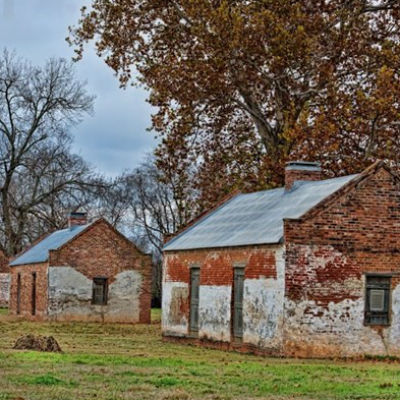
77 219
303 166
302 171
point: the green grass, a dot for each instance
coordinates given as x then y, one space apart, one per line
156 315
3 311
110 362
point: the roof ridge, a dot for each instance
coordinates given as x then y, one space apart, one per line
327 180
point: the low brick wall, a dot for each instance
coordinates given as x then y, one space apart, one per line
4 289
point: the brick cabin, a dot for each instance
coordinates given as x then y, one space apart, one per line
4 280
308 270
86 272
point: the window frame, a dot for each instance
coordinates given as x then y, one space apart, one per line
100 281
387 287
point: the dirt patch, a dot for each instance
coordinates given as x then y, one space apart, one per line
39 343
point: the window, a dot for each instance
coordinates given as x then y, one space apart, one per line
100 289
377 300
194 299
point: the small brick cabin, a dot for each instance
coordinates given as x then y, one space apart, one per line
308 270
87 272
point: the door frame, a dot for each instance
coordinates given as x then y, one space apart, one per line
238 266
194 268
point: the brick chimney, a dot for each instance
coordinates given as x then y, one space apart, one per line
77 219
302 171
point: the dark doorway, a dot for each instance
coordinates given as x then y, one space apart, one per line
33 293
18 293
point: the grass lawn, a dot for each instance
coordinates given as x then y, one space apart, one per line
109 362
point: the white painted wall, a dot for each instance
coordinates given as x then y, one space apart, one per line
175 303
339 330
70 295
263 307
215 312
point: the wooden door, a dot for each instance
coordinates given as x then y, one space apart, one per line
194 299
238 285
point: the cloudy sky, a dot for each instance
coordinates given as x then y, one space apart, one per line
115 138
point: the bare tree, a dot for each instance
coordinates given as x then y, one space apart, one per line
149 208
37 107
156 208
112 199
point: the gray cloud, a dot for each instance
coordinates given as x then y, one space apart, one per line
115 138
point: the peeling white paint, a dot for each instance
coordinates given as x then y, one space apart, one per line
274 322
263 307
174 304
70 296
215 312
5 281
339 330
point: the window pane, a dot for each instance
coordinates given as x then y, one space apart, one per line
377 300
99 291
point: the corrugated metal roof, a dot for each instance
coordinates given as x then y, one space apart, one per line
255 218
40 252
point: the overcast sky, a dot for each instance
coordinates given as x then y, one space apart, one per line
115 138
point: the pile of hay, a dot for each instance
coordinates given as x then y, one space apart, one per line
39 343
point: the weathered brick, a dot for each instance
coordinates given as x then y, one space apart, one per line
315 301
98 251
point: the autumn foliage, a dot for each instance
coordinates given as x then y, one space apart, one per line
241 86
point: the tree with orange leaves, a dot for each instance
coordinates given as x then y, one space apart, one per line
241 86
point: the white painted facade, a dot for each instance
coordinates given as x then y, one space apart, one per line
70 297
174 299
263 307
263 302
339 329
215 312
277 324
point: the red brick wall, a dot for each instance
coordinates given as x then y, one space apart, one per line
26 290
327 254
101 251
294 175
363 225
217 264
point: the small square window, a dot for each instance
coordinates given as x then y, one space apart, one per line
100 291
377 300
